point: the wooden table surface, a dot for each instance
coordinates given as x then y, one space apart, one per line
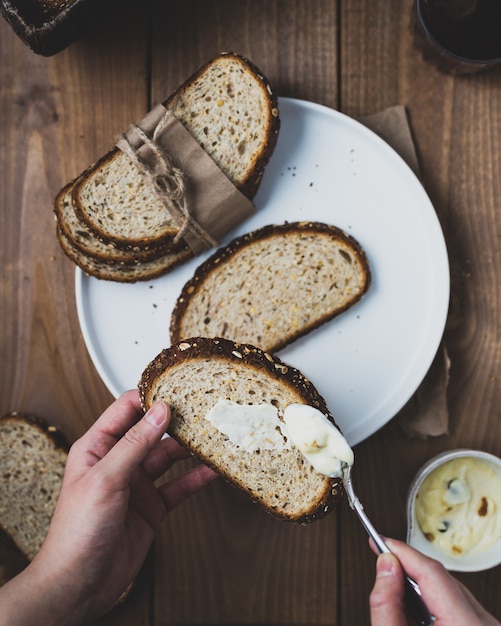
218 559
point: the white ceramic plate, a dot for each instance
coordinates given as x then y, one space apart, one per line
367 362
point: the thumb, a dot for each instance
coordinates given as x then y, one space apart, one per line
387 596
132 449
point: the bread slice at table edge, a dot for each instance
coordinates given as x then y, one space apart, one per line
60 447
14 532
262 368
206 279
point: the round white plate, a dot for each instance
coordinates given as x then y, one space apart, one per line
368 361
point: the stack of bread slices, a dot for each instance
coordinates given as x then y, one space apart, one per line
111 221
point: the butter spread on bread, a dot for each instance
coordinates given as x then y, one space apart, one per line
249 427
193 375
253 427
273 285
318 439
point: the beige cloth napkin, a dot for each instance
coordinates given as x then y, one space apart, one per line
426 413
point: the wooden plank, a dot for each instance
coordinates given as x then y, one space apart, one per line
219 559
58 115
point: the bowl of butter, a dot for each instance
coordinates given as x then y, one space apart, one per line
454 510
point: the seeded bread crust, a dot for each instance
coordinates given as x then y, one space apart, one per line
136 217
192 375
32 461
273 285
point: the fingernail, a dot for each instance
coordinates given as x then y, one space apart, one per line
157 414
385 564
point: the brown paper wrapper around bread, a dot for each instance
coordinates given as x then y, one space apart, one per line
203 202
426 413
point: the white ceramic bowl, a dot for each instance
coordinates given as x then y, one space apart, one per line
466 563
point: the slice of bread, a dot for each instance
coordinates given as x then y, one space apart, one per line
273 285
104 261
193 375
84 240
32 460
228 106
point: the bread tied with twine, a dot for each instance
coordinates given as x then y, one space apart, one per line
177 181
201 199
143 146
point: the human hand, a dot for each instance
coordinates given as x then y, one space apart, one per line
106 516
446 598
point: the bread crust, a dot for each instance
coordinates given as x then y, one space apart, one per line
247 358
224 256
46 430
136 270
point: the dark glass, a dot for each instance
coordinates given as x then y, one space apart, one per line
466 36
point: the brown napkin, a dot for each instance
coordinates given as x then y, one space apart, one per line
392 125
425 414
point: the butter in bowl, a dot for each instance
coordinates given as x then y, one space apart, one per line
454 510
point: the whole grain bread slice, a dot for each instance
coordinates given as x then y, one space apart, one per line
273 285
32 460
228 106
193 375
